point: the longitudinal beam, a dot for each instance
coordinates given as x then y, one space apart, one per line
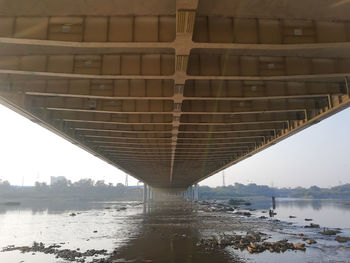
169 92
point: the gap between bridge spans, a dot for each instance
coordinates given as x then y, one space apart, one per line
185 19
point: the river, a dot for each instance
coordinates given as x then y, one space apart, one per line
170 231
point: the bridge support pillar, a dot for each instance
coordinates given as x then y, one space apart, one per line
145 189
191 193
148 193
151 194
196 192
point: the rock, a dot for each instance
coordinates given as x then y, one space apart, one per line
72 214
341 239
252 242
292 217
299 246
95 231
66 254
310 241
250 249
247 214
313 226
330 232
308 219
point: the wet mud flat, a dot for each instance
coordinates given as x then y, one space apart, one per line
177 231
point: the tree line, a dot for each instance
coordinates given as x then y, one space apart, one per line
254 190
87 189
84 189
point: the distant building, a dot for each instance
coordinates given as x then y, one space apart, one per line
56 179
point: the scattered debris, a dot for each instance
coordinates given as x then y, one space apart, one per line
253 242
67 254
313 226
311 241
342 239
329 232
243 214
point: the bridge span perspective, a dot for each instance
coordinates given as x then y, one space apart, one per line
174 91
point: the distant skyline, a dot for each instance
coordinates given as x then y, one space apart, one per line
318 156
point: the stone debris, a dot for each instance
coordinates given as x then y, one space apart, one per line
66 254
341 239
312 225
247 214
121 208
329 232
216 207
252 242
309 241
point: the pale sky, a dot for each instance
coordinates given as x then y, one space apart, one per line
318 156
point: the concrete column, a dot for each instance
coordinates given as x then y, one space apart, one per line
150 194
196 192
145 192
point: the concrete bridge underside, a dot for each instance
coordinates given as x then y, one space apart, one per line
173 91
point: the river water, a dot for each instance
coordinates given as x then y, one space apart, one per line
169 231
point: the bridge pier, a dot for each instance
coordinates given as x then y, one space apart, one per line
148 193
145 192
196 192
151 194
191 193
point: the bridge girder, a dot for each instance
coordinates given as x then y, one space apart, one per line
173 91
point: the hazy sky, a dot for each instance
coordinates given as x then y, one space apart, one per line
318 155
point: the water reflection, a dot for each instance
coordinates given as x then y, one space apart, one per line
326 212
169 233
156 232
303 203
59 207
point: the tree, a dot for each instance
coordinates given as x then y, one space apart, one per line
100 183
